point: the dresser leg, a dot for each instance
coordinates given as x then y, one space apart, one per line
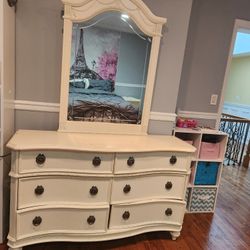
175 234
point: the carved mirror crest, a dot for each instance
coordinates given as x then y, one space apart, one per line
110 54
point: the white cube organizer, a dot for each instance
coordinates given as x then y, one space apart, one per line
206 167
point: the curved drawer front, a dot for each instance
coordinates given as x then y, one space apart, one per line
140 162
148 186
123 216
61 190
61 220
48 161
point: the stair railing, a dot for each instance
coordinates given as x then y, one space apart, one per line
237 129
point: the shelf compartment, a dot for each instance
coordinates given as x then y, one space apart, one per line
212 146
203 199
193 139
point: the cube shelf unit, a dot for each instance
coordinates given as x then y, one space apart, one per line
206 167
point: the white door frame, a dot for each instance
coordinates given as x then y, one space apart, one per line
239 25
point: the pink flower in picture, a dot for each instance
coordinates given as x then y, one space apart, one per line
107 65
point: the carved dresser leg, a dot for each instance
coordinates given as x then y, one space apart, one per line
175 234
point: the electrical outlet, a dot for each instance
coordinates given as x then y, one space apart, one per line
213 100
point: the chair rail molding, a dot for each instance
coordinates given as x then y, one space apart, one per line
36 106
197 115
54 108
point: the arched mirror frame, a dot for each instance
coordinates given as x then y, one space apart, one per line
151 25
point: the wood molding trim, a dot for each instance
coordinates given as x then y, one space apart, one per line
197 115
54 108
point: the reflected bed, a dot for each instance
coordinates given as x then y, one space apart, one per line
99 104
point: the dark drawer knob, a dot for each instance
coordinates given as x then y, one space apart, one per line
168 212
131 161
40 159
91 220
126 215
93 190
37 221
96 161
173 159
39 190
127 189
169 185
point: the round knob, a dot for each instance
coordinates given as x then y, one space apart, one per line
169 185
40 159
93 190
37 221
39 190
173 159
91 220
168 212
126 215
96 161
127 189
131 161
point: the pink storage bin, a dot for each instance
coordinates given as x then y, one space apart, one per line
209 150
189 142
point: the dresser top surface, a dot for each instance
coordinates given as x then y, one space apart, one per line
53 140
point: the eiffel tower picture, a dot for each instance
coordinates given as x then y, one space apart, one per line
80 69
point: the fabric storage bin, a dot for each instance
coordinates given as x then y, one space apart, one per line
209 150
206 173
203 199
189 142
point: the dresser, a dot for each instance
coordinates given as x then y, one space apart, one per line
94 187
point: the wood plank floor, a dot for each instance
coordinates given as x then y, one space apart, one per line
227 229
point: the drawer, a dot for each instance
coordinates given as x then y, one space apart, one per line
61 190
61 220
153 161
62 161
203 200
153 212
148 186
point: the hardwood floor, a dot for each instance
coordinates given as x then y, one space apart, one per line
227 229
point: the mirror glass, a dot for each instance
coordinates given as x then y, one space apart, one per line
108 70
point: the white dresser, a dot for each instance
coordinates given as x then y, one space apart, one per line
94 187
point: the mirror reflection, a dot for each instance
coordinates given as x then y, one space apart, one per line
109 64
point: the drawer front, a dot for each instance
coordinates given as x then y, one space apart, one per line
145 162
203 199
123 216
148 186
61 190
60 161
61 220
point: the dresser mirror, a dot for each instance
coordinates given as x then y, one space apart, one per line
108 70
110 54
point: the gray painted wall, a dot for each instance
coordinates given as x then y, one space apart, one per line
38 50
208 44
38 57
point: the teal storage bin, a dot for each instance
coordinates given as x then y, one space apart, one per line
206 173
